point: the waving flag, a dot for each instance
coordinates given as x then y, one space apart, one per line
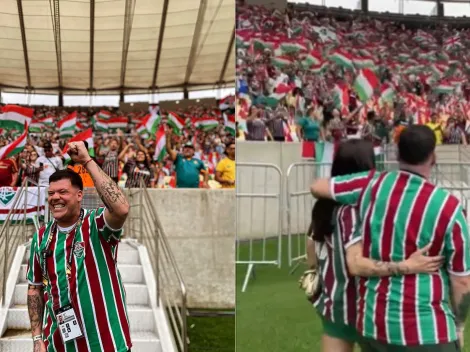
15 147
207 123
230 123
100 125
87 136
115 123
104 115
15 117
151 122
365 84
176 122
160 148
68 125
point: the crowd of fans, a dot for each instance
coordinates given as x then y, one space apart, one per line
296 73
125 154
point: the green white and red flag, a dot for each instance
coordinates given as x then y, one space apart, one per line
230 123
47 121
160 142
151 123
342 59
313 58
104 115
87 136
176 122
281 61
207 123
100 125
14 117
36 126
444 87
320 68
227 102
365 84
387 92
14 147
115 123
68 125
341 96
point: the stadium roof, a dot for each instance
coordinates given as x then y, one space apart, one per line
109 46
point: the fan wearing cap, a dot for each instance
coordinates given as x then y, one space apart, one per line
187 167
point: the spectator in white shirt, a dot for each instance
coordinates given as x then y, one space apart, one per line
50 164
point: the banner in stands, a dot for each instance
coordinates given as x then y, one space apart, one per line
7 199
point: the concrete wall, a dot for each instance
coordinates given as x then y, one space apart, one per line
200 226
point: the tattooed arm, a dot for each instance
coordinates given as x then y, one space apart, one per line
36 311
116 203
418 262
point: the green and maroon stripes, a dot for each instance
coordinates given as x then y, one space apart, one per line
402 212
95 286
337 300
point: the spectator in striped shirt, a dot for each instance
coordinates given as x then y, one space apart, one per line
333 228
72 267
29 169
401 211
138 170
111 161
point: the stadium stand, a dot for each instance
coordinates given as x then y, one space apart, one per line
321 62
208 129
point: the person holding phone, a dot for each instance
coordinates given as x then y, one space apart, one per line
49 164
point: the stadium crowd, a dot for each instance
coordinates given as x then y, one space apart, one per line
305 76
127 146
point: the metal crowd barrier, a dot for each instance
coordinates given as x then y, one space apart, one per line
19 225
171 289
452 176
259 216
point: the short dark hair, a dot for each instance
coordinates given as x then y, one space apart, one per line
67 174
416 144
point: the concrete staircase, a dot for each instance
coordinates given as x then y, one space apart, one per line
17 336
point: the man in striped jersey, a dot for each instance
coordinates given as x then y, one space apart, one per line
401 211
76 300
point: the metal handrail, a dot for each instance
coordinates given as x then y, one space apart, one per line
160 254
11 238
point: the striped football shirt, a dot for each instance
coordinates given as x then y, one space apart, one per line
337 299
401 212
96 291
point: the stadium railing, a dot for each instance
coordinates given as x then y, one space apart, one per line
22 220
259 193
146 227
452 176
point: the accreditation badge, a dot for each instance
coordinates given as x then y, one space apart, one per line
68 324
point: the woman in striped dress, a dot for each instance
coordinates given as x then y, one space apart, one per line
332 231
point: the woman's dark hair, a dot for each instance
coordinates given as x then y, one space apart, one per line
352 156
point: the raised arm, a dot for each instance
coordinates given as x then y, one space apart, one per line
116 203
171 152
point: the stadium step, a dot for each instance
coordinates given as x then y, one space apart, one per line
20 341
141 317
130 273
